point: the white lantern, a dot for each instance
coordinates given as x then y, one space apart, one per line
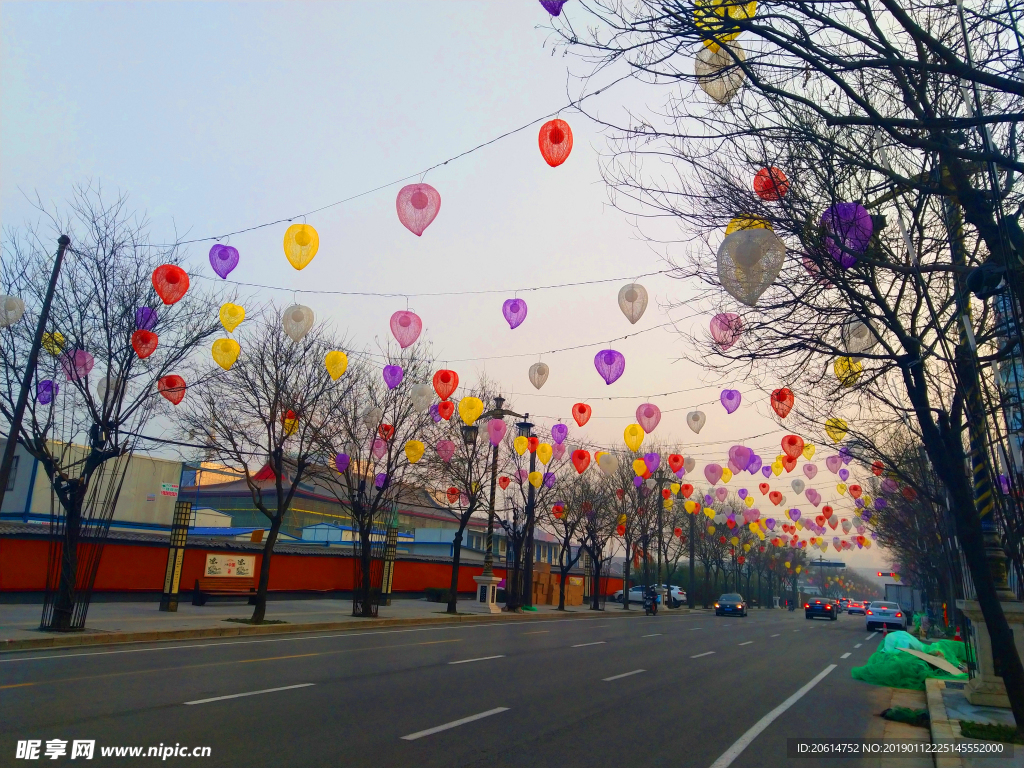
695 421
858 337
539 374
797 485
633 301
690 463
297 320
421 396
372 417
718 72
105 386
749 260
608 463
11 310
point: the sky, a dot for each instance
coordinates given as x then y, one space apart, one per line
216 117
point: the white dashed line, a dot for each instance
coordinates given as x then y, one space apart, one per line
858 645
774 635
796 630
482 658
584 645
747 643
871 636
454 724
692 629
624 674
656 634
706 653
250 693
846 655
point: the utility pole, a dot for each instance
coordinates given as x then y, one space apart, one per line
690 596
30 369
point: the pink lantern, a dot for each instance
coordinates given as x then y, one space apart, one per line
417 205
496 431
648 416
726 329
445 449
379 448
77 364
558 450
810 470
713 473
406 327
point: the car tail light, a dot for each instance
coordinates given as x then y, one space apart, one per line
898 615
870 613
807 605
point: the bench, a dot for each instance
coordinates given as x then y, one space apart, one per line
231 586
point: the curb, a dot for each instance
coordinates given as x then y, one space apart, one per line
242 630
943 729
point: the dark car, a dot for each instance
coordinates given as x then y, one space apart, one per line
826 609
731 605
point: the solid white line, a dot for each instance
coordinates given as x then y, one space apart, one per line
744 741
250 693
584 645
482 658
454 724
706 653
656 634
846 655
747 643
624 674
858 645
774 635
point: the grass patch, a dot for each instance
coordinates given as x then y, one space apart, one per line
260 624
916 717
1005 733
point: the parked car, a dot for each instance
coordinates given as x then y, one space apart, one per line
731 604
636 595
884 614
856 607
826 609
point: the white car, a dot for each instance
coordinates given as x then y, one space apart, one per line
636 595
881 613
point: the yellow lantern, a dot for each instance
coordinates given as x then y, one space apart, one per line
836 429
53 342
808 451
798 569
639 467
622 520
841 488
667 503
290 424
337 363
714 19
777 468
544 452
749 501
690 506
470 409
746 547
674 487
711 529
598 455
726 475
225 352
709 512
786 563
414 451
231 316
301 243
747 222
847 370
734 540
634 437
520 444
536 478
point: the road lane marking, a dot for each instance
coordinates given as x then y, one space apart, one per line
846 655
693 629
540 632
275 658
454 724
706 653
584 645
871 636
482 658
858 645
747 643
744 741
15 685
774 635
656 634
249 693
624 674
796 630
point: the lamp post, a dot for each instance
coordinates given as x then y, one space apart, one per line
661 477
526 430
691 598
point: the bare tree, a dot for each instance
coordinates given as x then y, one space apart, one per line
566 517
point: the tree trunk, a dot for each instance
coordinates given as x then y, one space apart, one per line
365 564
563 575
625 580
260 611
64 602
456 556
707 586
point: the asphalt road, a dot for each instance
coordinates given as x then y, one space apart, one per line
650 691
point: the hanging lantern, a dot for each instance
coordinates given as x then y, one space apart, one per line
749 260
858 336
726 329
610 364
225 352
108 385
290 423
496 429
172 387
539 374
536 479
231 316
847 370
301 242
514 311
46 390
170 282
633 301
445 449
393 375
11 310
581 413
341 462
836 429
633 437
53 342
648 416
414 451
731 399
559 432
470 409
580 460
445 382
782 402
848 230
695 420
445 409
337 364
421 394
554 7
77 364
144 343
746 221
608 464
406 327
544 453
719 73
418 206
555 141
716 19
297 320
145 318
770 184
520 445
223 259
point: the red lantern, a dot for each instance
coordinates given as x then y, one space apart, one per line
770 184
666 493
789 463
731 524
533 442
678 532
386 432
856 491
877 468
827 511
686 489
144 343
792 446
558 511
445 382
721 539
581 460
764 488
453 495
555 141
170 282
445 409
782 401
172 387
581 412
586 506
620 530
741 559
619 493
908 493
675 461
503 482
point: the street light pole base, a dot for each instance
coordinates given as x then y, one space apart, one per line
486 596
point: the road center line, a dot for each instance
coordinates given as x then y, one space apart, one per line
747 643
706 653
584 645
249 693
775 635
624 674
482 658
858 645
846 655
744 741
454 724
656 634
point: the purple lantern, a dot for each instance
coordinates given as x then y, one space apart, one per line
496 431
648 416
766 471
46 390
708 501
845 454
742 493
813 496
739 455
844 474
554 7
610 364
514 311
794 514
889 485
341 461
381 480
638 481
880 503
653 461
730 399
754 465
393 375
145 318
435 413
558 433
406 327
1004 484
770 523
223 259
549 479
849 228
834 463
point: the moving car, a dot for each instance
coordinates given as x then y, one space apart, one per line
731 604
827 609
883 614
636 595
856 607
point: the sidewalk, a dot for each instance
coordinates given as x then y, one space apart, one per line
118 622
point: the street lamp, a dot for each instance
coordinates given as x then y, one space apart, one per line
525 429
661 477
